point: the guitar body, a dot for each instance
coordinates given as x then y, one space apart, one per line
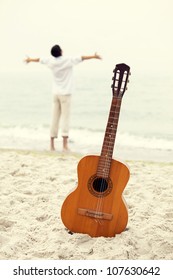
96 207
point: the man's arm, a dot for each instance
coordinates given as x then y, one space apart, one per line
29 59
96 56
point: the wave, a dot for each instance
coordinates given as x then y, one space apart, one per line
84 136
126 139
87 141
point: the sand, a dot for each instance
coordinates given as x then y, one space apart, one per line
33 186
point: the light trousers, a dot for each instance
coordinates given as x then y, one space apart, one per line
60 115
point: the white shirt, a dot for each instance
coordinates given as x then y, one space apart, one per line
62 70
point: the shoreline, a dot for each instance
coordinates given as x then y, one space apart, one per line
120 157
33 187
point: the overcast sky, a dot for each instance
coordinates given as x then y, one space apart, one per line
138 32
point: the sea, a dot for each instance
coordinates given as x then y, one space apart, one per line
145 128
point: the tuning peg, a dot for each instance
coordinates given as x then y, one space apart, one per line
128 81
129 73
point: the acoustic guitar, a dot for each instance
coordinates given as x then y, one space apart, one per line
97 207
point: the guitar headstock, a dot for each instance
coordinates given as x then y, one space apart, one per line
120 79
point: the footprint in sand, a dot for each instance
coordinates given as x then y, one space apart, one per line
5 225
3 240
42 218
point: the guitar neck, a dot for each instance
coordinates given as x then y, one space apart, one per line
109 139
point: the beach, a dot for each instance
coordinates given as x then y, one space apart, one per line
33 187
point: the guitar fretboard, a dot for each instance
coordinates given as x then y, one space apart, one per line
104 164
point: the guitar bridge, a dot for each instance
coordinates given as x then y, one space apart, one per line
95 214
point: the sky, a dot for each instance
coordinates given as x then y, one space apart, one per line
136 32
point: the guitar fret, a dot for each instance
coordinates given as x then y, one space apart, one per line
112 123
114 107
110 134
113 118
113 113
106 155
106 149
112 127
109 143
103 173
104 158
114 110
103 166
104 169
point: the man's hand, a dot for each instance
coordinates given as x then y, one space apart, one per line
86 57
97 56
28 59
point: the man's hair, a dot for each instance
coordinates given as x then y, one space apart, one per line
56 51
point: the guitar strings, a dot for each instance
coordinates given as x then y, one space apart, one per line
107 163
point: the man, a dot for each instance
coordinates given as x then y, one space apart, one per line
62 70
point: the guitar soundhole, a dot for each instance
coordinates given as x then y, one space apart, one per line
99 186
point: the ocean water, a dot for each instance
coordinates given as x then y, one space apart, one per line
145 129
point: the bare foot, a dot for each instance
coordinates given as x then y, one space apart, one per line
66 150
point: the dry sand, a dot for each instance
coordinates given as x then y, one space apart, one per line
33 186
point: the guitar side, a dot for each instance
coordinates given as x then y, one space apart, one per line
84 211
